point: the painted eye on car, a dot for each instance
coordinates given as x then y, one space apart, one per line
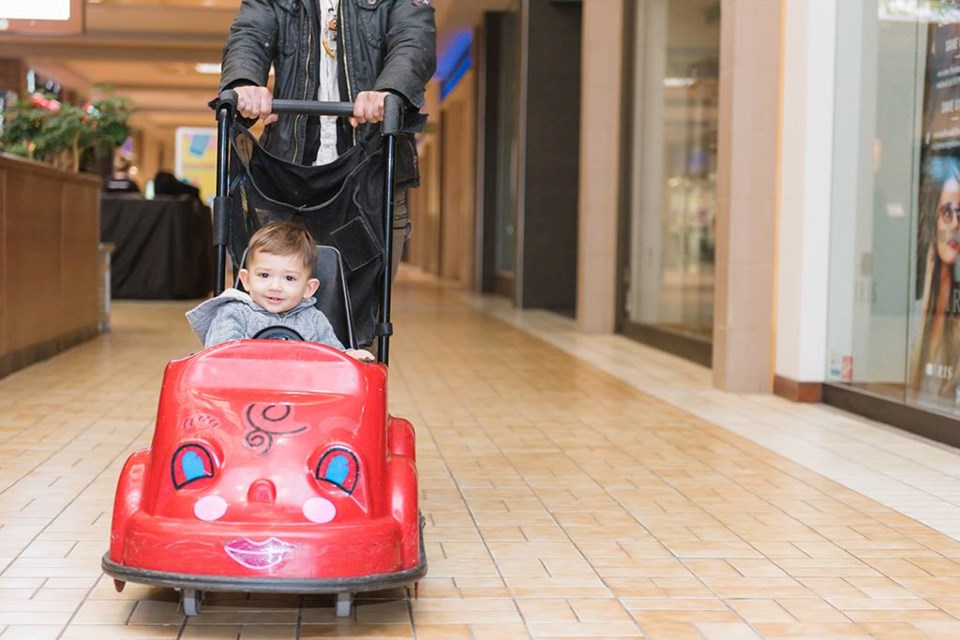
339 467
191 462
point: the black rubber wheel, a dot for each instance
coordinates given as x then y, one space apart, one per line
191 598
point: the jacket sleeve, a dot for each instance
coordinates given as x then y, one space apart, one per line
227 324
250 46
411 50
323 330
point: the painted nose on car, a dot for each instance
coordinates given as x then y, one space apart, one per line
262 491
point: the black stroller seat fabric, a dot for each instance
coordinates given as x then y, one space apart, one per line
340 203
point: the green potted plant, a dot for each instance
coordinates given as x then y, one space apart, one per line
66 135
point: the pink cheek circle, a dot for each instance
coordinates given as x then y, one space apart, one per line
210 508
319 510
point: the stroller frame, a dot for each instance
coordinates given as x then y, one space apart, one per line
390 128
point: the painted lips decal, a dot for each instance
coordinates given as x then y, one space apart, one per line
258 555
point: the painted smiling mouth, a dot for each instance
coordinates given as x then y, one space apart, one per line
258 555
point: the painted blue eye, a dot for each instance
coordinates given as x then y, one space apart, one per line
191 462
192 466
337 470
339 467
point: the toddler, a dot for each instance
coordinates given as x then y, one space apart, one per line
279 277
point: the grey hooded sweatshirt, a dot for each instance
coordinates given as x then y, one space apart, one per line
234 315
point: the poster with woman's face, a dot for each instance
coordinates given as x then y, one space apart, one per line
935 355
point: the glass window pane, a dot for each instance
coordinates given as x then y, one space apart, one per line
673 208
879 88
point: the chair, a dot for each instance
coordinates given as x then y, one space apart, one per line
333 297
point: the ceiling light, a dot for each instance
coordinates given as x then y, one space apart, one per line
212 68
676 83
208 68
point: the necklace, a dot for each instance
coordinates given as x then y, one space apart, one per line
329 39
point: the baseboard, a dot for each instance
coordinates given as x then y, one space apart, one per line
797 391
21 358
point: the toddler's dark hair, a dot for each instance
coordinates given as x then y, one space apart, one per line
284 239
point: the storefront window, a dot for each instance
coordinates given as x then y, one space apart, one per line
673 172
894 316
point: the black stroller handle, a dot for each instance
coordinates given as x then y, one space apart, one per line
392 109
306 107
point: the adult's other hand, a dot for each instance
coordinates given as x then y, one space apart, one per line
256 102
368 107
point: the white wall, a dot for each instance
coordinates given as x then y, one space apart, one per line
805 178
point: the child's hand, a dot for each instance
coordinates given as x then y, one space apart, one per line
361 354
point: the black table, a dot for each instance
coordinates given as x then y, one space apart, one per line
164 246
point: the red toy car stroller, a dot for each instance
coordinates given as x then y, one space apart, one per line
274 465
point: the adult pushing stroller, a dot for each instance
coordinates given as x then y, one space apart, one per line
274 465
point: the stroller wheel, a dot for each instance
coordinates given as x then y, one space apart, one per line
190 598
344 602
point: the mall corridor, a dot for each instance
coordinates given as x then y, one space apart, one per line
573 486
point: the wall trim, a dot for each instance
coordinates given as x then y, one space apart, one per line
795 391
699 351
34 353
922 422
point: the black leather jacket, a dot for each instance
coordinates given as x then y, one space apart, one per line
386 45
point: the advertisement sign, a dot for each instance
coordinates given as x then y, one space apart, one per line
933 373
196 159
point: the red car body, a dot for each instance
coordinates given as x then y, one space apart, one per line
274 467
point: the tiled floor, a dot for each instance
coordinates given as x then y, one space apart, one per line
574 486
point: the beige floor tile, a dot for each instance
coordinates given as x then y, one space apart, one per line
814 632
122 632
148 612
939 629
761 611
99 612
444 632
498 631
895 631
727 631
561 499
357 631
653 630
813 611
584 630
206 632
548 610
482 588
32 632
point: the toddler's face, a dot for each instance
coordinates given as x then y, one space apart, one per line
277 283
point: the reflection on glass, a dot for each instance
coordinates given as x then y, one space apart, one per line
508 134
675 159
875 276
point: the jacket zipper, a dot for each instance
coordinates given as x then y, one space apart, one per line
306 75
346 63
